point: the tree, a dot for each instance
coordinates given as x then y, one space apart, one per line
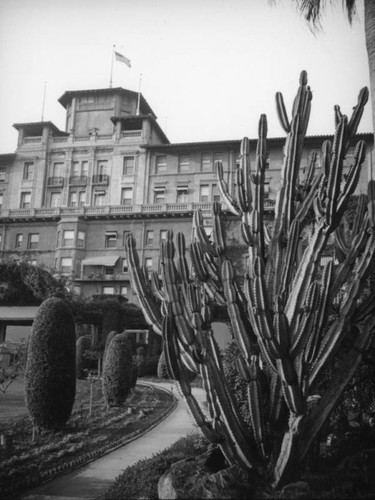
50 377
290 314
312 10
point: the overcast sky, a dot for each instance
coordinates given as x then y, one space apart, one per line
209 67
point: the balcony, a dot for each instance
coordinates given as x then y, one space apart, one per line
101 179
78 180
55 181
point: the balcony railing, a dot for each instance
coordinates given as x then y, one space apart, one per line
78 180
32 140
169 208
55 181
102 179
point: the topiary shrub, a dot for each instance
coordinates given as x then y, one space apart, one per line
50 376
108 340
117 371
141 351
82 362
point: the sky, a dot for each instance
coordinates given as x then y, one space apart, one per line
209 67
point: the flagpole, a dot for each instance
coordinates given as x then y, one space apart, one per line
139 95
44 100
113 54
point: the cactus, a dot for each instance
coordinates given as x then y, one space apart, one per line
281 313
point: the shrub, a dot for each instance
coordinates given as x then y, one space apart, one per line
117 371
141 364
141 479
108 340
82 362
50 378
151 366
141 351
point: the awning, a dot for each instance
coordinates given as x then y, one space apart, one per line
104 260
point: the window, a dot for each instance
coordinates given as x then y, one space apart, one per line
238 160
81 198
266 190
102 167
85 168
81 236
128 165
110 239
163 235
204 193
25 200
109 290
76 169
109 271
206 162
148 263
73 200
124 265
208 230
2 174
58 169
124 290
149 237
55 200
218 157
182 194
1 238
33 241
99 198
127 196
66 265
1 200
215 193
28 171
68 238
19 238
184 163
161 164
159 196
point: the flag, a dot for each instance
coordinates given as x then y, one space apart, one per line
121 58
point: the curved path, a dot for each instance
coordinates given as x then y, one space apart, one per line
93 479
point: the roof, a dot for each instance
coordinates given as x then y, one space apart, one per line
102 260
237 142
37 127
132 119
69 94
17 314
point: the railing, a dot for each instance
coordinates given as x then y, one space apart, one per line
78 180
59 139
55 181
82 138
91 106
101 179
104 137
169 208
131 133
32 140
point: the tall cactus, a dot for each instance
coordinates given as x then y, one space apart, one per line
281 312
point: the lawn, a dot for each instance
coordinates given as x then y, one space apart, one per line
25 462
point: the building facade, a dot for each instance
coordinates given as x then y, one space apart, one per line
69 198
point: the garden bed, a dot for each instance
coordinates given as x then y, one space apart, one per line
25 463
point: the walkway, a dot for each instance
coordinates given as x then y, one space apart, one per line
93 479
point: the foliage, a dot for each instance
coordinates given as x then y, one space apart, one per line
141 479
141 363
117 371
85 437
16 367
83 344
290 313
108 340
151 366
141 351
50 377
22 284
134 373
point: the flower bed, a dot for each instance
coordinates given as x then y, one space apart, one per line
25 463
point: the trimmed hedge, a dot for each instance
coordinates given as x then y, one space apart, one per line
134 376
108 340
117 371
82 362
50 376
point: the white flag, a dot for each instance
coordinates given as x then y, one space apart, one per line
121 58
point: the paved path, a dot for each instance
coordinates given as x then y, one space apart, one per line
93 479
